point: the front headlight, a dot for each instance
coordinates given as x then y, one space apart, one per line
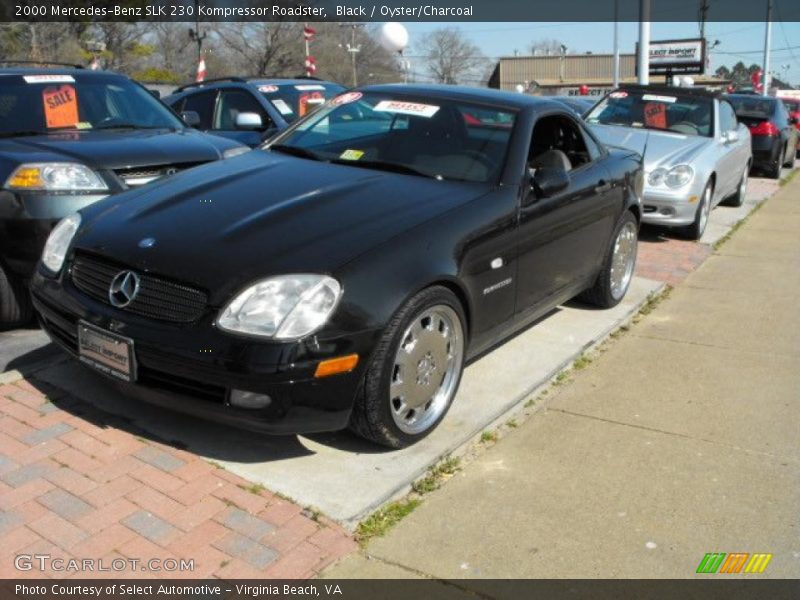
657 177
231 152
282 307
55 177
55 250
679 176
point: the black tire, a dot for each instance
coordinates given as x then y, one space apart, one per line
15 304
371 417
600 294
774 171
694 231
790 158
739 197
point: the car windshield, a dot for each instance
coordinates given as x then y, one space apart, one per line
296 100
43 103
753 106
437 138
667 111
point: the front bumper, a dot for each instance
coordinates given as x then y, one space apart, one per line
668 207
192 368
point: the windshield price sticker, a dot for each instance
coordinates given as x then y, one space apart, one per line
282 107
310 88
346 98
407 108
60 106
656 98
351 154
48 78
267 89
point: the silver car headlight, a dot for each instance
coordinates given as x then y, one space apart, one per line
231 152
282 307
55 177
656 177
57 245
679 176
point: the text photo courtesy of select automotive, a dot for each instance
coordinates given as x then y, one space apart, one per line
268 287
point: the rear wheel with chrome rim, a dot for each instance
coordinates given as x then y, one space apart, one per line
615 276
415 371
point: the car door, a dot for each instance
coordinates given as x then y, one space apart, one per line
731 151
563 238
230 104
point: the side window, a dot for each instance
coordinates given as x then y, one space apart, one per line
562 135
727 117
591 145
203 104
232 103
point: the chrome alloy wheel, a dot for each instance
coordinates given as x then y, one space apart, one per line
426 369
743 184
623 260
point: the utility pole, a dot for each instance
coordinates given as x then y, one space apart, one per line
643 59
703 14
353 48
616 43
767 40
195 35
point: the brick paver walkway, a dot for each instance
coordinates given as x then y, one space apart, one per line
665 257
76 482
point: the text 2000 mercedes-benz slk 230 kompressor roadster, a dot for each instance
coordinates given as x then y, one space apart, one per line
343 273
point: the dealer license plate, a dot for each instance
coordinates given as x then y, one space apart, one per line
107 352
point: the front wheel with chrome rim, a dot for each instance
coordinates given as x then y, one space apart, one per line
615 276
415 371
695 230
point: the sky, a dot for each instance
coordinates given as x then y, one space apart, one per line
738 41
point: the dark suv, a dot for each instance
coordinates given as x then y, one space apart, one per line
69 137
249 110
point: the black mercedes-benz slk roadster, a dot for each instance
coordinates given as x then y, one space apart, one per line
344 273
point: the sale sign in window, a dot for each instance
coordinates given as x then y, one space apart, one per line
60 106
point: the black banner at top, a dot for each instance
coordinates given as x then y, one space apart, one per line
393 10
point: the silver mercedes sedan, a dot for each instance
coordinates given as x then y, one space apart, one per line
696 153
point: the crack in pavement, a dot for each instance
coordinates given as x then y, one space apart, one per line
676 434
726 348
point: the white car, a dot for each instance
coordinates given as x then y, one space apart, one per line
696 153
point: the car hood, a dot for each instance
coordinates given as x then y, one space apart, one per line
119 149
659 149
228 223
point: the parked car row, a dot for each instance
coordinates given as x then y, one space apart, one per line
342 274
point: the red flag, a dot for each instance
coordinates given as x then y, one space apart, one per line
201 70
310 65
309 33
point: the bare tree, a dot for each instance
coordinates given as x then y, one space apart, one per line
374 64
262 49
451 57
546 47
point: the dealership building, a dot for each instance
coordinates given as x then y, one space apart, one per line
563 75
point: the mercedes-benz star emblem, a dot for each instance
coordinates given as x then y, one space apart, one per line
123 288
147 242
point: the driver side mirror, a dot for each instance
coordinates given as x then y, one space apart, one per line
249 121
191 118
548 181
729 137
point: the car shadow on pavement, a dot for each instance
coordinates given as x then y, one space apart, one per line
78 390
655 234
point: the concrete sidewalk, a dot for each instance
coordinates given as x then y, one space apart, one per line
682 438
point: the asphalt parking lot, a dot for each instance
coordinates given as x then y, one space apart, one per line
326 471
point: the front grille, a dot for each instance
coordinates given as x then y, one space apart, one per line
158 298
136 176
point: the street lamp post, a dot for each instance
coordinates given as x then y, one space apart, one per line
353 48
643 58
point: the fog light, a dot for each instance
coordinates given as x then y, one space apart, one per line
244 399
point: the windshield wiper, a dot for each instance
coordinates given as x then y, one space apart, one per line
382 165
22 133
112 125
296 151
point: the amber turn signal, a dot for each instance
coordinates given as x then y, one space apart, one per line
332 366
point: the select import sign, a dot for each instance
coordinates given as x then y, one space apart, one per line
673 57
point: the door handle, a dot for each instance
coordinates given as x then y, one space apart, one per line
602 186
